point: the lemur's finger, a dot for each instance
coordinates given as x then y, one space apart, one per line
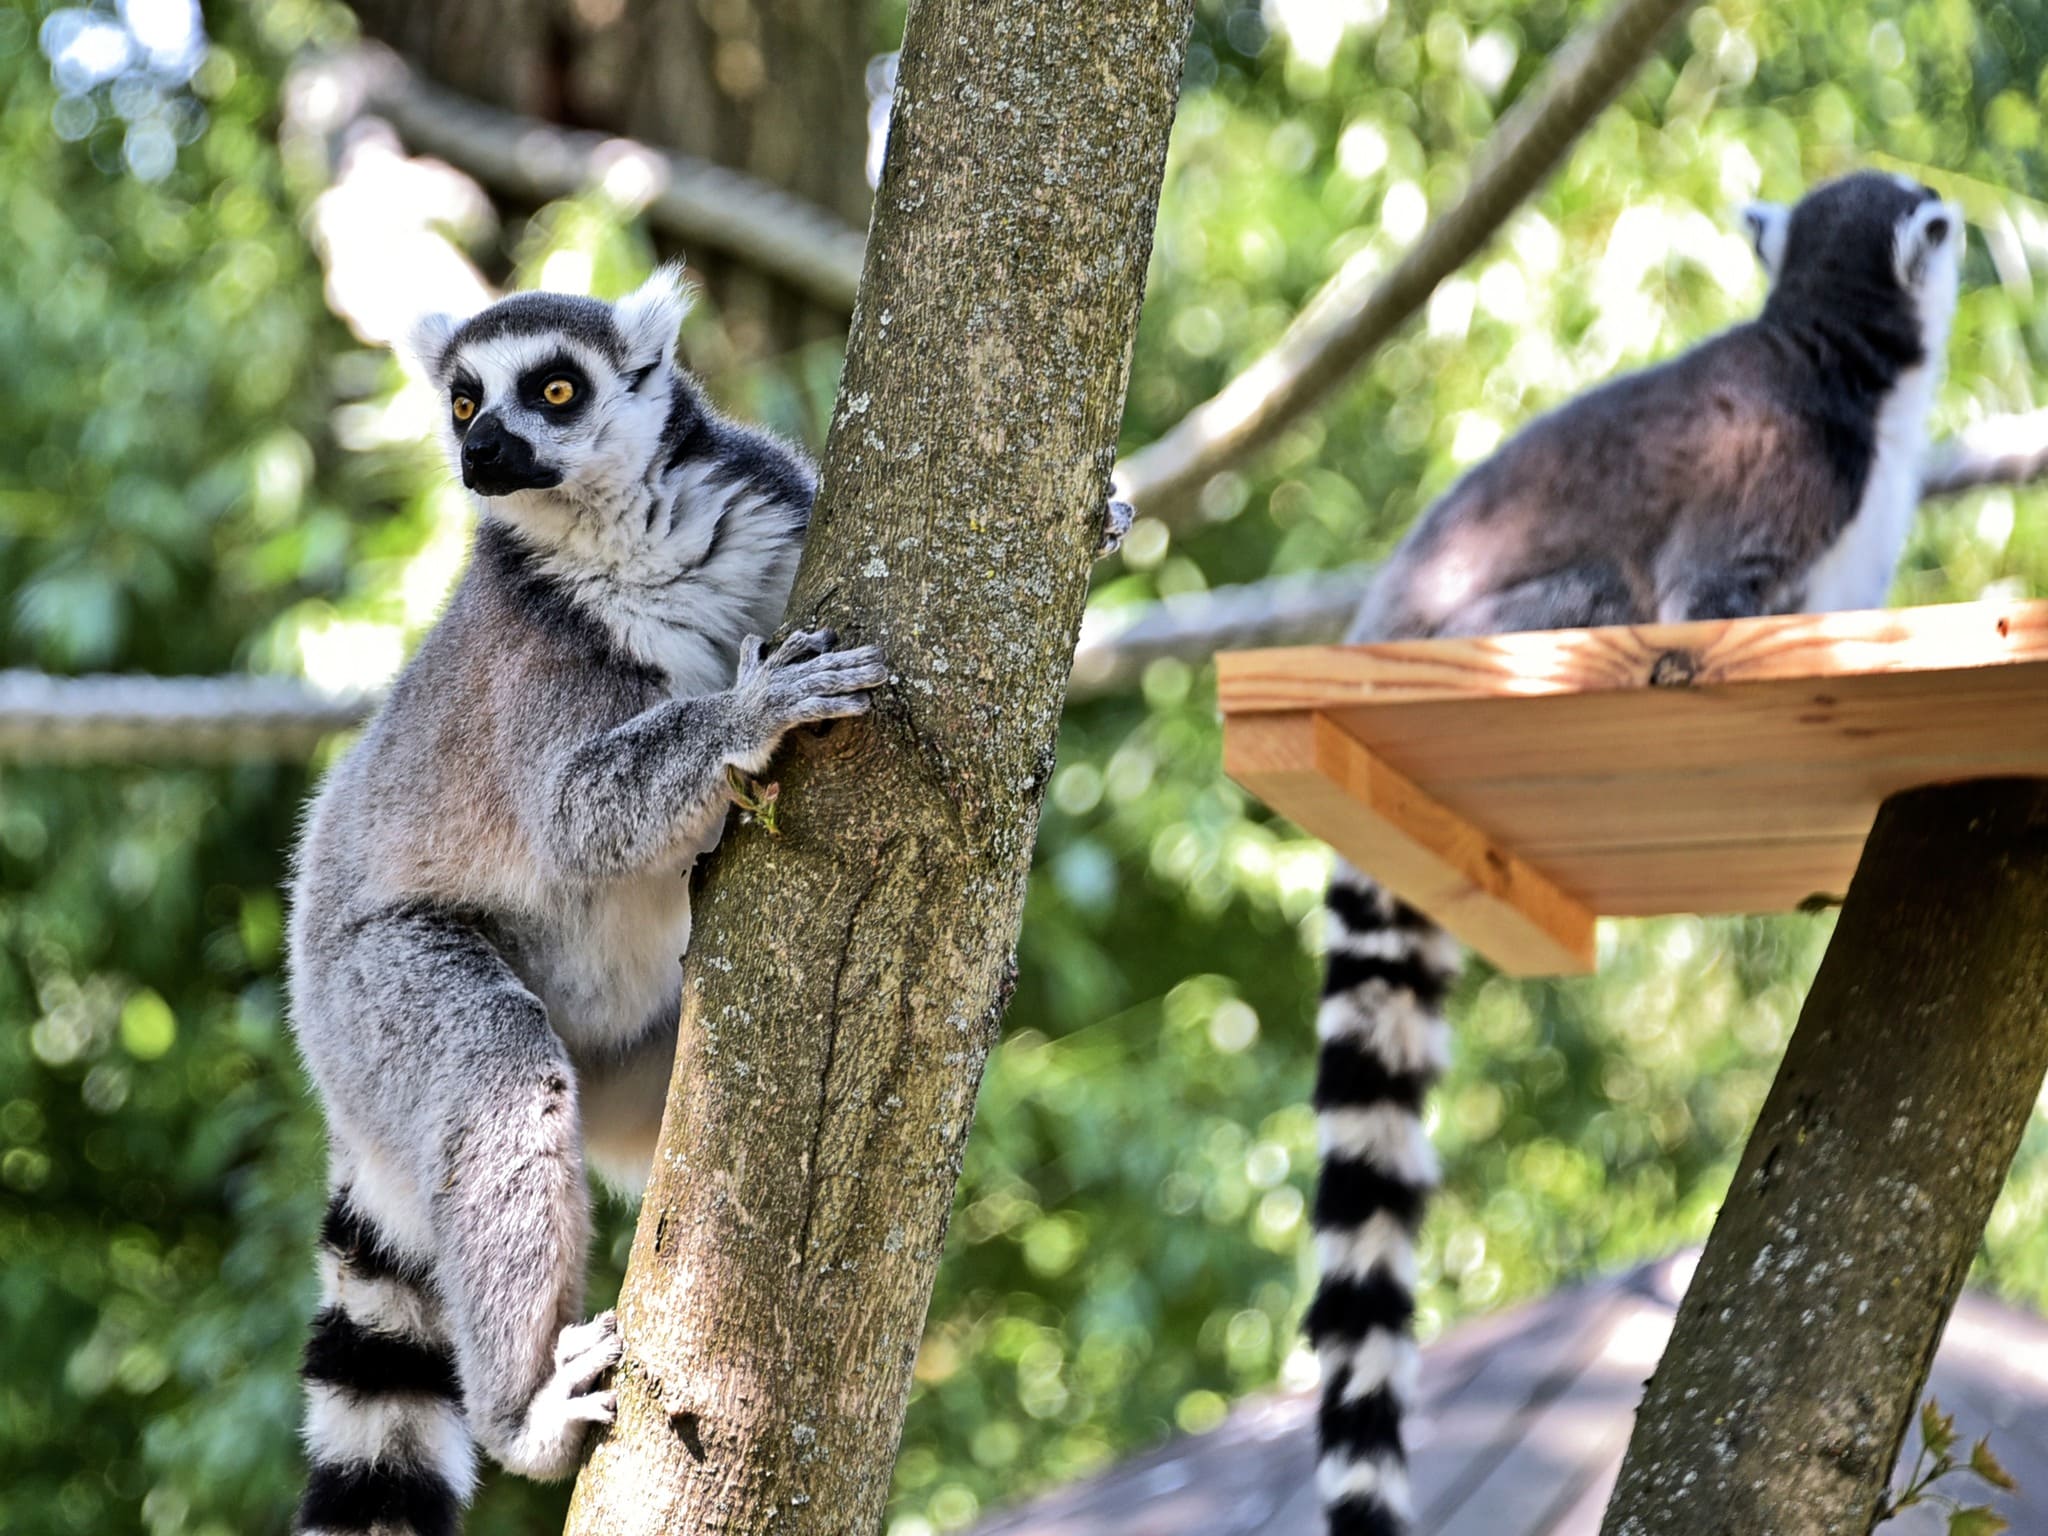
804 644
581 1338
586 1351
831 706
595 1407
863 668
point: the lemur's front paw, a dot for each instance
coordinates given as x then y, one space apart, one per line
804 680
1116 522
562 1411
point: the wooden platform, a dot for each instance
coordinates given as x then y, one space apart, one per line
1520 1426
1517 787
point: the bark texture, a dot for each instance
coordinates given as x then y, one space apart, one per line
847 978
775 88
1802 1346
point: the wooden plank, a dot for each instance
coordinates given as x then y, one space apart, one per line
1729 766
1628 658
1316 773
1904 717
1757 877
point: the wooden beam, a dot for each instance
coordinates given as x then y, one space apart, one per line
1726 766
1707 653
1312 770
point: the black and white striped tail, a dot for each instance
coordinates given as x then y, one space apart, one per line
1383 1043
388 1447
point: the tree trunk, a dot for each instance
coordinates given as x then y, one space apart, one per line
1802 1346
847 978
775 88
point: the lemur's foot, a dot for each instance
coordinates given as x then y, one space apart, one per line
562 1411
1116 522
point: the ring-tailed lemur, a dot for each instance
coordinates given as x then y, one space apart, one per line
492 889
1774 468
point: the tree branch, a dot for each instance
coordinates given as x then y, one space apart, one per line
2001 450
153 719
812 250
131 717
1118 644
1341 327
46 719
1803 1341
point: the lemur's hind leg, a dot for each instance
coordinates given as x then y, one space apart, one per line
481 1138
1578 597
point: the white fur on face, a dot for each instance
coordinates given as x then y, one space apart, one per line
1927 252
572 446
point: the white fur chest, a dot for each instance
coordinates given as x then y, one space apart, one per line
1856 572
680 572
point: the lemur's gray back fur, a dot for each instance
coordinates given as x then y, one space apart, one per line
492 889
1773 468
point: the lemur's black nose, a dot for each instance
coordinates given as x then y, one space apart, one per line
496 462
485 444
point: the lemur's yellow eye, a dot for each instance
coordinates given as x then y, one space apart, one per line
464 407
558 392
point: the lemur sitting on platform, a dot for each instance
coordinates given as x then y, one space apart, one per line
1772 469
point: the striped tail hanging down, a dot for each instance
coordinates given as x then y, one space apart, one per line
1383 1043
388 1447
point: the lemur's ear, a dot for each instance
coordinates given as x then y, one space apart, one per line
649 317
426 344
1922 234
1766 225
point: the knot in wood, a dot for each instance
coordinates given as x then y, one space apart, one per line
1674 669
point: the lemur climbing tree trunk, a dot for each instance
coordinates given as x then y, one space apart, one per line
775 88
1802 1345
847 978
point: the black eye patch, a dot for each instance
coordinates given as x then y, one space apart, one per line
535 385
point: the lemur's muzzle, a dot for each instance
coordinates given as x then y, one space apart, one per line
497 463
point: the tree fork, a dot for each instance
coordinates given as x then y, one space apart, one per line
1802 1346
846 979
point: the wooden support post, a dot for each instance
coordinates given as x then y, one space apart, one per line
1802 1346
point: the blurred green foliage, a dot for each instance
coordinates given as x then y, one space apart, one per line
1128 1252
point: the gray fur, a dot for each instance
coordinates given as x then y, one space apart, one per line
1717 484
492 889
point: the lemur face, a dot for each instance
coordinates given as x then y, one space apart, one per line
1871 240
545 391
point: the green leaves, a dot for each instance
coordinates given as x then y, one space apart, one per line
1935 1460
1985 1466
1976 1522
1937 1430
